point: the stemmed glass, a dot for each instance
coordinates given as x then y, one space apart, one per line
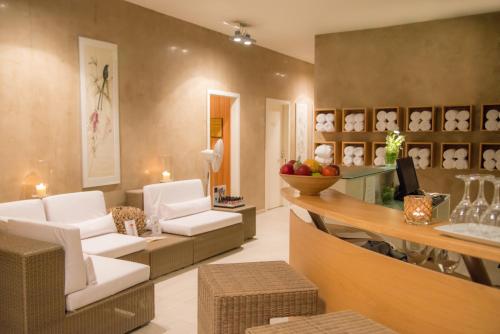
491 216
480 204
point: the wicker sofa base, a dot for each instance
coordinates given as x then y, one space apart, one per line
216 242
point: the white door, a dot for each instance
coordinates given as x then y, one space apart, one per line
277 149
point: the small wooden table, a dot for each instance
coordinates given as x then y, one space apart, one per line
249 214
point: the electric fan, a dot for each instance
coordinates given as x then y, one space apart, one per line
214 160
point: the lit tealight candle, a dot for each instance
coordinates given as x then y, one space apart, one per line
41 190
165 176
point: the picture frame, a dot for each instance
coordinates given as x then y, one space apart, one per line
99 109
131 228
301 131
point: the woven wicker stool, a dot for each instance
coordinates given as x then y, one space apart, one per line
233 297
332 323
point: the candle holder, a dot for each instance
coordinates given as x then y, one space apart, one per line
166 171
418 209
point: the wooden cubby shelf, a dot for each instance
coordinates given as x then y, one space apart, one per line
332 144
456 118
352 155
455 155
381 159
415 122
489 156
358 124
421 152
488 119
384 119
325 112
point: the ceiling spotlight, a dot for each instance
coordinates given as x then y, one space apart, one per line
240 34
248 40
237 36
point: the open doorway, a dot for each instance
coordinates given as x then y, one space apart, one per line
223 122
277 148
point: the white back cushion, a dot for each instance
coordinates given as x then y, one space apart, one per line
75 207
170 192
98 226
31 209
187 208
65 235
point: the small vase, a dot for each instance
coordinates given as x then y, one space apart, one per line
391 157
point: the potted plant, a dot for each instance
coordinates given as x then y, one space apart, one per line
393 143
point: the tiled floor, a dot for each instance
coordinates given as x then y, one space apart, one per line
175 294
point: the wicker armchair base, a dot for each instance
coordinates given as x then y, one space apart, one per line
233 297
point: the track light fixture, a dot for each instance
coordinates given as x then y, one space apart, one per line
240 34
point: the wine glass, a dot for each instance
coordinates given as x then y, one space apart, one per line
480 204
416 253
458 214
491 216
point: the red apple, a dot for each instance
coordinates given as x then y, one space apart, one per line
337 169
331 170
291 162
287 169
303 170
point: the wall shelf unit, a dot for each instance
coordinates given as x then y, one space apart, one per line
333 144
488 119
385 117
325 112
457 118
420 119
458 156
489 156
375 146
359 117
346 157
421 152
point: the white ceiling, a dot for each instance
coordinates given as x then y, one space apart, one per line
289 26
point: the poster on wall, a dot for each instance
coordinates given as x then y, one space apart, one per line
301 126
99 112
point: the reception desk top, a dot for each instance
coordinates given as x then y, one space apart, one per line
390 222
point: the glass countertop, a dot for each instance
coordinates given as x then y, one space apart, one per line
349 173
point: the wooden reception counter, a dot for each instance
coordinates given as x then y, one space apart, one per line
403 296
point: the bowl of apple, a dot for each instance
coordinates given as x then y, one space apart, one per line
309 177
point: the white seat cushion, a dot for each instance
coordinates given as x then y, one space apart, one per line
75 207
31 209
112 276
113 245
200 223
98 226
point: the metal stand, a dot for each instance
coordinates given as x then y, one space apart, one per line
476 269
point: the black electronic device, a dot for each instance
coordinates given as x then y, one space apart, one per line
408 181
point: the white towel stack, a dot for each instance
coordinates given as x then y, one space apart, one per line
491 159
492 120
353 155
456 120
455 158
354 122
379 156
420 121
386 120
324 154
421 157
325 122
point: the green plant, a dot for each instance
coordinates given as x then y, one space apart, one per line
393 141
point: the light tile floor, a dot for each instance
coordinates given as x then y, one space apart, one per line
176 293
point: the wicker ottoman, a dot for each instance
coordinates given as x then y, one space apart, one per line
234 297
332 323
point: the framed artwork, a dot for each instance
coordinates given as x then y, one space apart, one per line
301 126
99 112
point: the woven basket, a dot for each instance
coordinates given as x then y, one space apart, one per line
123 213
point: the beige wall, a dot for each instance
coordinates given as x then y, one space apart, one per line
162 93
454 61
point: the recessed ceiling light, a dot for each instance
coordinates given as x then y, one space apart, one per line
173 48
185 50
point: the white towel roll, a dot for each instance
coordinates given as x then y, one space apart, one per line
497 155
330 117
461 164
463 125
328 127
450 125
414 126
492 114
491 125
423 163
358 161
381 115
449 153
349 118
425 126
392 116
380 126
359 117
323 161
489 154
424 153
319 127
379 161
380 151
415 162
463 115
489 164
359 126
426 115
320 118
415 116
461 153
347 160
349 150
450 115
391 126
413 152
324 151
349 127
449 164
358 151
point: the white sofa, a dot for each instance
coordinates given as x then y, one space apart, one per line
183 208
